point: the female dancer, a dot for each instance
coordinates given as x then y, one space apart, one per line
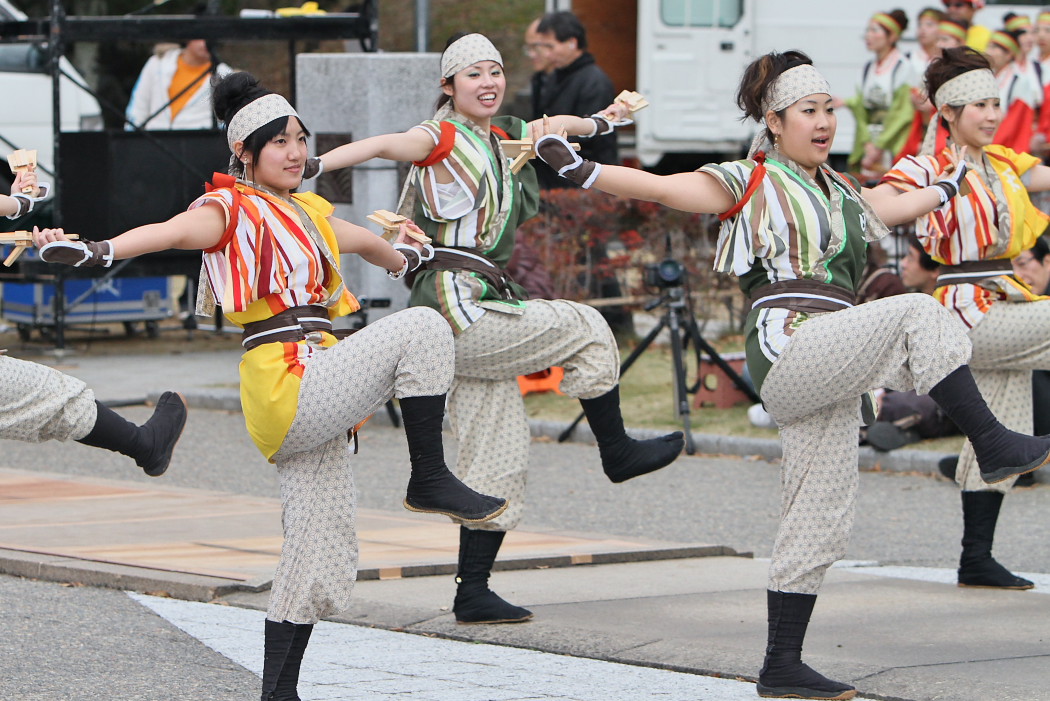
1019 90
471 202
270 257
795 233
974 238
882 106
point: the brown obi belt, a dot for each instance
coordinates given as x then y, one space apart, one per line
972 272
808 296
288 326
469 260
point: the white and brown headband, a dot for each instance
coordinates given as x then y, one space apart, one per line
788 88
257 113
466 51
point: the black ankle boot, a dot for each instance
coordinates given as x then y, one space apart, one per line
151 444
1001 453
977 567
783 674
475 602
622 456
432 488
283 655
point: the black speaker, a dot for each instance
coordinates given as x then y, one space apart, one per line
112 181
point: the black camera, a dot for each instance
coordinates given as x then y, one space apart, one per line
666 273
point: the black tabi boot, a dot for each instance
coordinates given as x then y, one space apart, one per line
150 444
977 567
1001 453
283 655
432 488
622 456
475 602
784 675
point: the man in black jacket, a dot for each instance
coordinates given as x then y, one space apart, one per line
578 86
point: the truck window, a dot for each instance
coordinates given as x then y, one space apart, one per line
701 13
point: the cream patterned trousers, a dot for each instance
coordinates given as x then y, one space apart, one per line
485 405
407 354
813 392
38 403
1008 343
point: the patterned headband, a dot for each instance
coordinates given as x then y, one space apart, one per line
466 51
1044 18
792 85
888 23
1005 41
969 87
1018 22
257 113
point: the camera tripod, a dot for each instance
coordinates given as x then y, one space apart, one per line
679 321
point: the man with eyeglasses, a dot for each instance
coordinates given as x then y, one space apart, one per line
539 54
958 10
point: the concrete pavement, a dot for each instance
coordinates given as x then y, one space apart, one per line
897 633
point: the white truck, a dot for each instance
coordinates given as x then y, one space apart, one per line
25 112
691 54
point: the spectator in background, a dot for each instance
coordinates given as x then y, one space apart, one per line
1033 266
963 11
538 52
578 87
918 270
173 90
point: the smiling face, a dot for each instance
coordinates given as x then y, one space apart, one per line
477 90
975 124
279 166
806 130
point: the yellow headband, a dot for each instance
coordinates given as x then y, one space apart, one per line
955 30
1044 18
1019 22
888 23
930 12
1005 41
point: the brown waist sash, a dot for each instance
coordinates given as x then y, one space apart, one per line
973 271
469 260
808 296
290 325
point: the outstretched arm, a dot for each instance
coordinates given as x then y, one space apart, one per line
375 249
1038 179
687 192
198 228
895 207
411 145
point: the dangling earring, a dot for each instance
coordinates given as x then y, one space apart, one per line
776 143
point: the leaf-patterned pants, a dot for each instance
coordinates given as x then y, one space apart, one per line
485 404
1008 343
38 403
407 354
907 342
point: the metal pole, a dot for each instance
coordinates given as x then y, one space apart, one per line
422 24
55 54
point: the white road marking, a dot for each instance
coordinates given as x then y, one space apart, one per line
347 661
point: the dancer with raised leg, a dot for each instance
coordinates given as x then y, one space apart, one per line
270 259
466 196
795 232
974 239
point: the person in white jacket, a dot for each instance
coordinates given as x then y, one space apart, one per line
173 90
